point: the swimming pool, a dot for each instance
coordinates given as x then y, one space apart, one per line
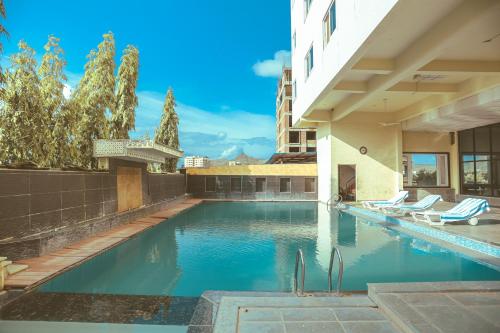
251 246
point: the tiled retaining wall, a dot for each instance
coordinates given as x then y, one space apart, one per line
196 187
45 210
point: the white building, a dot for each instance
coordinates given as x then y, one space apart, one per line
394 84
196 162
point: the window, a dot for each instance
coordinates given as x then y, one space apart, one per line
294 90
293 149
235 184
480 160
329 23
285 185
307 7
309 61
290 121
310 135
289 105
210 184
311 149
310 185
425 170
294 137
294 40
260 185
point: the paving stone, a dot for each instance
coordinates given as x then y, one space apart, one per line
401 309
261 327
200 329
259 314
369 327
350 314
488 312
456 319
490 298
308 314
311 327
424 299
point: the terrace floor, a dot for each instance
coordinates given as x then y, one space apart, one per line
487 230
45 267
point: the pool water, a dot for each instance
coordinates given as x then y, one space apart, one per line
251 246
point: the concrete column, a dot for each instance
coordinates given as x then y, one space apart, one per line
324 153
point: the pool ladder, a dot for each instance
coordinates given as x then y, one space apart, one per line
299 258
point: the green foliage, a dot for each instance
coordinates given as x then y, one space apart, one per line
3 32
123 118
51 74
94 97
167 133
24 133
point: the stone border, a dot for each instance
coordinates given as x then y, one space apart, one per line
459 240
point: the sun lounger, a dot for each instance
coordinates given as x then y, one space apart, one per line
467 210
397 199
403 209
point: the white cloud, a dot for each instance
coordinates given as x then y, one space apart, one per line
224 133
273 67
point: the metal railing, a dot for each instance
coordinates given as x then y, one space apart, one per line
341 270
299 256
336 203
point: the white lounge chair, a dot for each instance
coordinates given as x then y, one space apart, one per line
467 210
397 199
403 209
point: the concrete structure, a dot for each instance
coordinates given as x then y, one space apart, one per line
289 139
196 162
254 182
400 92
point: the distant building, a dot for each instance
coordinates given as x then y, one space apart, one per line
230 163
196 162
288 138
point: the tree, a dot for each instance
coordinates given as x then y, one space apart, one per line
167 133
93 97
123 118
24 132
51 74
3 32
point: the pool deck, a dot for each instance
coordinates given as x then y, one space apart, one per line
389 307
42 268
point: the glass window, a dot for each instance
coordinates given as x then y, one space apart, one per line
310 185
480 160
311 149
425 170
235 184
260 184
210 184
290 121
285 185
309 61
329 23
311 135
294 137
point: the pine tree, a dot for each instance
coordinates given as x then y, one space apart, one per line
51 73
24 129
167 133
94 97
123 118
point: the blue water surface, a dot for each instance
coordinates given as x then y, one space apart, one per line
251 246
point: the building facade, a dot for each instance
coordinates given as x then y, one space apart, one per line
290 139
196 162
403 94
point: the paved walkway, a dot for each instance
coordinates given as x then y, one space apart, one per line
47 266
434 307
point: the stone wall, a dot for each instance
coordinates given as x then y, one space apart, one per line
48 209
416 194
196 187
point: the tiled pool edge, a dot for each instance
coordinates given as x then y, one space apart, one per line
462 241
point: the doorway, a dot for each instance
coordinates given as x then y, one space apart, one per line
347 182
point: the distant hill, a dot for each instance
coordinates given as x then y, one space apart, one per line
242 159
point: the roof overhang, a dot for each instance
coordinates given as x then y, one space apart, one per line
135 150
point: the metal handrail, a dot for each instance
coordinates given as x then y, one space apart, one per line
300 256
338 201
341 270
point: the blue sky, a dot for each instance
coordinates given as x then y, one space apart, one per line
221 58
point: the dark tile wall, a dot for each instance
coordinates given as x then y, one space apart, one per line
196 187
51 208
